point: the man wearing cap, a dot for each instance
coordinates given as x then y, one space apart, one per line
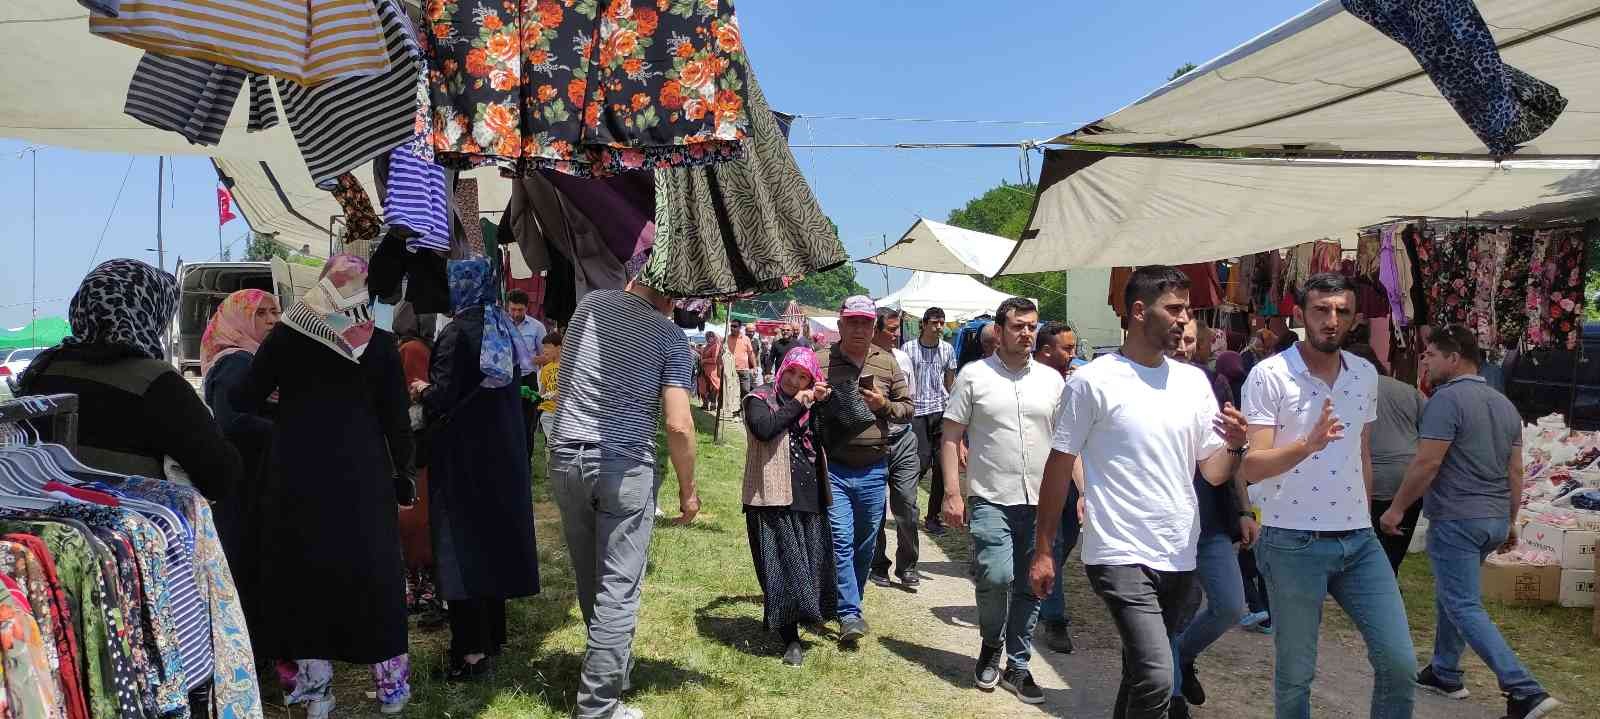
869 394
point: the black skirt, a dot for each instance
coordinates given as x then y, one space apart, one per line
793 555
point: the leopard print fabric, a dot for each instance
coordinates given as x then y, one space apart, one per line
124 303
1505 107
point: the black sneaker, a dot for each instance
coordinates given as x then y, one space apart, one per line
1178 708
880 578
934 527
987 673
911 580
1193 691
1530 707
794 655
1020 682
852 629
1431 682
1058 636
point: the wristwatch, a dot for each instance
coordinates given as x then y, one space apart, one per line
1244 513
1240 451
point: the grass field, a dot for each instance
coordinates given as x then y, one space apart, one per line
702 651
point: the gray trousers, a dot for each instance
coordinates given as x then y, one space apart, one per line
903 476
607 504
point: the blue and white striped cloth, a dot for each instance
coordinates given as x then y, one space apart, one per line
415 199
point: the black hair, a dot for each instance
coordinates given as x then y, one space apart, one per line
1018 305
735 321
931 311
1326 283
884 313
1457 339
1149 283
1048 332
1365 352
553 338
517 297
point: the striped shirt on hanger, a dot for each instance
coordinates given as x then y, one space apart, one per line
194 98
415 198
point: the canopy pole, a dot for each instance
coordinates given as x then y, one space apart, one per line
161 248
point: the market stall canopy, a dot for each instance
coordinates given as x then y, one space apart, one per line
936 247
1099 209
65 87
1328 80
42 332
960 296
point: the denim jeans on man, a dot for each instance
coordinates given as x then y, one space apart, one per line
855 515
1217 570
903 505
1302 569
1457 548
1149 607
1002 539
607 503
1054 607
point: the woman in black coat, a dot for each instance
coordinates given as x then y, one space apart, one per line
332 580
480 497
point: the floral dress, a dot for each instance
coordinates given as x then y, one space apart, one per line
585 87
1447 266
1555 288
1487 258
1511 290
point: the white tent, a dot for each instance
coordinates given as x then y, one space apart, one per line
1105 209
960 296
1328 80
936 247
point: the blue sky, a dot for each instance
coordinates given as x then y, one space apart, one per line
1063 62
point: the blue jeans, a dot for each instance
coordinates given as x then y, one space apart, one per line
1457 547
1217 568
1002 538
1054 607
1302 570
859 494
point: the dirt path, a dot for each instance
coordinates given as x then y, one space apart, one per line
936 628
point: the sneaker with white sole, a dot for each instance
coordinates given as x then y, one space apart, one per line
1432 683
626 712
1531 707
1020 682
987 672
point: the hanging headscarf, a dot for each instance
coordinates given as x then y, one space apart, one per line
505 356
233 328
335 312
123 308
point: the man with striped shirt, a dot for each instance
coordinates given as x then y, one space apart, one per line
624 363
933 364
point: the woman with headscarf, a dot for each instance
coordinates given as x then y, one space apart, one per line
228 346
480 499
1230 366
711 372
333 582
134 407
415 541
786 497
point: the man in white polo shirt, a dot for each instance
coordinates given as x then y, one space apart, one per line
1003 406
1141 424
1311 409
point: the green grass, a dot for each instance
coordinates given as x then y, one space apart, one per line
701 647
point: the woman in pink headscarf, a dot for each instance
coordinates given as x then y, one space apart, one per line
786 500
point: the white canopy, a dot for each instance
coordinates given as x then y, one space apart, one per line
960 296
65 87
1328 80
936 247
1099 209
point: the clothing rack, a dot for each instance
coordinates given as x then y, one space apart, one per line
60 409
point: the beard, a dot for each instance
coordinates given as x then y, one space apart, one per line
1321 343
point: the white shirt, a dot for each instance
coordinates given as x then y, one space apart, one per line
1008 415
1326 492
904 360
1140 432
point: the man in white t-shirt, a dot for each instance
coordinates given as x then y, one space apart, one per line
903 474
1317 538
1141 424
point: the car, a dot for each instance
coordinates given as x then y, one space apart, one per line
12 364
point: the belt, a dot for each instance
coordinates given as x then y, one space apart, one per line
1340 534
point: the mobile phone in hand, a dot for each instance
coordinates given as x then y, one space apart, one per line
865 382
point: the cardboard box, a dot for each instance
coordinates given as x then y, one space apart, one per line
1521 584
1577 588
1575 549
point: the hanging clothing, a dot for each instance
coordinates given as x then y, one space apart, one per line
1556 288
414 198
334 313
1413 237
1488 258
1505 107
590 89
622 208
1205 288
313 43
550 228
749 225
1447 272
361 222
468 233
333 584
1369 245
195 98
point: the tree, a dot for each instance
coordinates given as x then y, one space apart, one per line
1181 71
819 289
263 247
1005 211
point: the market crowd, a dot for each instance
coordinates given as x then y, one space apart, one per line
368 463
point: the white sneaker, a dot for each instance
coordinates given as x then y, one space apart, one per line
626 712
320 708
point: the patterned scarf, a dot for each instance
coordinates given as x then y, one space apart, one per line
233 328
505 356
335 312
124 305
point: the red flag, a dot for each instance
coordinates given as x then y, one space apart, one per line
224 206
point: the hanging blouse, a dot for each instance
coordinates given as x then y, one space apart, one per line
414 198
64 628
315 42
18 563
30 691
1555 288
589 89
195 98
1488 258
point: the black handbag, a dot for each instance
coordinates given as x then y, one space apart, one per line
847 411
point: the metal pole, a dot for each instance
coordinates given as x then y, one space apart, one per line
33 317
885 247
161 248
